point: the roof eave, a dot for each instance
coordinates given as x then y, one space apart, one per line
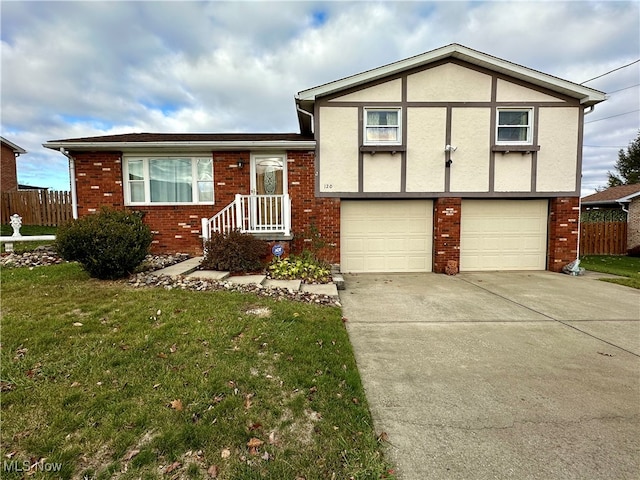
628 198
600 202
184 146
16 148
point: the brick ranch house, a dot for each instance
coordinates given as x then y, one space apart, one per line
451 155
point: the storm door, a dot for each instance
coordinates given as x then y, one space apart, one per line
268 187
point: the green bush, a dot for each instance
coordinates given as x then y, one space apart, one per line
108 245
305 267
234 252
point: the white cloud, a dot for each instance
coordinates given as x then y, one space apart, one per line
72 69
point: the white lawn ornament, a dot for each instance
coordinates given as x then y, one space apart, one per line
16 223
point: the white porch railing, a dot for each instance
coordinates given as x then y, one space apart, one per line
252 214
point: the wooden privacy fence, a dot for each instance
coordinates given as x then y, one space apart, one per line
603 238
36 207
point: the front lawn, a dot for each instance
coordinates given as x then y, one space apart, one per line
100 380
628 267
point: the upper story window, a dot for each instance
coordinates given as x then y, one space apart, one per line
168 180
514 126
382 126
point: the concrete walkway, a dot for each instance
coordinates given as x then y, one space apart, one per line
189 269
520 375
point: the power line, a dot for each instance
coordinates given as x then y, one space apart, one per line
604 146
611 71
612 116
625 88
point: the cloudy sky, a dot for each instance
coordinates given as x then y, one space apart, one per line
85 68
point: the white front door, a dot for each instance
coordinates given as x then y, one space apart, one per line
268 185
268 174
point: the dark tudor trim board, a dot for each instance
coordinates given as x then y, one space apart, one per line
563 102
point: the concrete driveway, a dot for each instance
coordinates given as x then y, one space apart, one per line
517 375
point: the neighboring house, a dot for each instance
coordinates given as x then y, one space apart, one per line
622 197
22 186
449 156
9 174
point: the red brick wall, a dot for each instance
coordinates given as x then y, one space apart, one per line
178 229
228 178
446 232
563 232
98 181
9 177
322 215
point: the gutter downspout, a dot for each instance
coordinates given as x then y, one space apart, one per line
72 176
585 113
625 210
306 113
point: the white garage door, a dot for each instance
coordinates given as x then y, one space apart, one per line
386 235
503 235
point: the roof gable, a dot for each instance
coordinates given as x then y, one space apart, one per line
585 95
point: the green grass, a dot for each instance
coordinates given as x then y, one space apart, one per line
627 267
27 231
107 380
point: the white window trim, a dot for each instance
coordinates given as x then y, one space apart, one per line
147 183
529 140
381 142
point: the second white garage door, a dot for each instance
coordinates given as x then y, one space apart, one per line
503 235
386 235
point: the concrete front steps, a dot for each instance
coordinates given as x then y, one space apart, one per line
189 269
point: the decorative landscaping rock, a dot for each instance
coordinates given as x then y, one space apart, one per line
148 279
39 257
46 255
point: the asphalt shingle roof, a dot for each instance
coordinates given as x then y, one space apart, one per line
612 194
191 137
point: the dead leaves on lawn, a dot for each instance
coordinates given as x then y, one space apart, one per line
174 466
254 444
130 454
6 386
213 471
20 353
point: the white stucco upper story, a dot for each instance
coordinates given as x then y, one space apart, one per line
454 125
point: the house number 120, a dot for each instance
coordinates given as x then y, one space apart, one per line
328 186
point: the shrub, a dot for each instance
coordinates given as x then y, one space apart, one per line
305 267
108 245
234 252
